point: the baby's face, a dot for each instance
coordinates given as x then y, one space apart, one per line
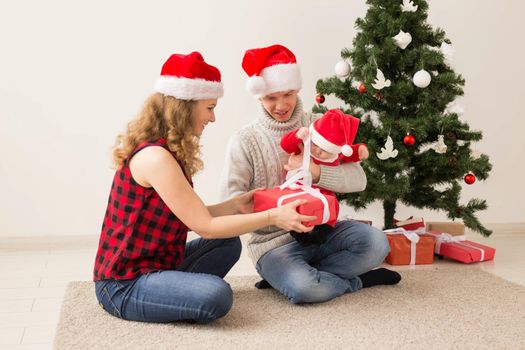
320 153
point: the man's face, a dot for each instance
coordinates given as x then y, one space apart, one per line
280 105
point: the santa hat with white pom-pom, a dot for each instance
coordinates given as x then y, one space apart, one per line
271 69
334 132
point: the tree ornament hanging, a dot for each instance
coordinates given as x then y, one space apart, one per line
440 146
388 151
469 178
362 88
422 78
402 39
448 53
409 140
379 96
380 81
342 68
451 135
319 98
408 6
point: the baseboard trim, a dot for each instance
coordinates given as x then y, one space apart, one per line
503 229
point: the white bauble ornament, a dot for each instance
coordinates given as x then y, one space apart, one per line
342 68
402 39
422 79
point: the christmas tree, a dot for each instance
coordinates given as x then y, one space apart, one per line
398 79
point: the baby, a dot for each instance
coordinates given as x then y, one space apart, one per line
332 136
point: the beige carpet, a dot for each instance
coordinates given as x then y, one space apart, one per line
443 308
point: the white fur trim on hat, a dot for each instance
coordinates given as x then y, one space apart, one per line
281 77
255 85
188 89
323 143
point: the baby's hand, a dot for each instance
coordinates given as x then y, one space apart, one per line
363 152
302 133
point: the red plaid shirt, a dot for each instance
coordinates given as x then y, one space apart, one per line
140 234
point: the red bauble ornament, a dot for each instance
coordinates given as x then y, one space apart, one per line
469 179
409 140
319 98
362 88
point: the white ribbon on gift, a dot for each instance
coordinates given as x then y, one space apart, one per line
303 175
412 236
460 240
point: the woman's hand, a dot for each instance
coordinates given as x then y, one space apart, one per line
244 202
287 217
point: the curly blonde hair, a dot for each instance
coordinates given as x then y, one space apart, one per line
162 117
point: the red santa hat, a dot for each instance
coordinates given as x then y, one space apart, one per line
334 132
271 69
188 77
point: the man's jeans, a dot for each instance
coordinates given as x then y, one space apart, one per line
317 273
195 292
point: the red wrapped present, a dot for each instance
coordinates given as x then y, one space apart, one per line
324 206
409 247
460 249
411 223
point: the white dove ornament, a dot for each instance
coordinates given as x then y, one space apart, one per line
388 151
402 39
380 81
408 6
440 146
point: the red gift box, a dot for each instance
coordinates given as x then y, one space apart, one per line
411 223
406 251
458 248
267 199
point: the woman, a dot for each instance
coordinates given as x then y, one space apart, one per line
304 274
144 271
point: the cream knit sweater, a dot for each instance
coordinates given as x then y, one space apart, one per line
255 159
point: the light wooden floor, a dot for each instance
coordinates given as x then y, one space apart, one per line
35 271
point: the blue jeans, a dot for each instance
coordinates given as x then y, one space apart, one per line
317 273
195 292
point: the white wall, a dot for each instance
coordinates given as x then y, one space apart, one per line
72 73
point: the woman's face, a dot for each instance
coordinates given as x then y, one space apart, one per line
203 113
280 105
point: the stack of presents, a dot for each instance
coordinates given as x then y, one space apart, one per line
413 243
